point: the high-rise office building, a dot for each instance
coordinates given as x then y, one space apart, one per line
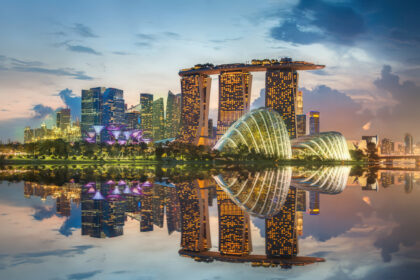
299 102
314 203
195 227
234 99
234 227
173 115
133 120
28 134
158 119
63 119
113 107
146 103
91 109
301 200
280 95
173 213
159 201
313 122
281 235
146 212
387 146
301 125
195 108
409 144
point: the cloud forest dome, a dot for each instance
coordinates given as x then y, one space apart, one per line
261 130
261 194
324 146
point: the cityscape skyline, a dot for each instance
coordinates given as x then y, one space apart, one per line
76 52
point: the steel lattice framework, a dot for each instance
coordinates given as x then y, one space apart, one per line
261 130
261 194
324 146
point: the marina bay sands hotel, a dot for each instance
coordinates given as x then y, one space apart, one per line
235 82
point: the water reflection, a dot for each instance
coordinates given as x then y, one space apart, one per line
281 197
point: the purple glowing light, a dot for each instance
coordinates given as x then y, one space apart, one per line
90 140
91 190
90 184
147 184
110 182
98 128
113 197
121 183
116 191
91 134
127 134
127 190
116 134
147 140
122 142
110 142
136 191
98 196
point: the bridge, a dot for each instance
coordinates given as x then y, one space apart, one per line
396 157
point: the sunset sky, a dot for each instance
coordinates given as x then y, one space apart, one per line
51 50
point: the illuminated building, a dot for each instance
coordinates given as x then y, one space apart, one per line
299 223
63 119
313 122
234 99
408 182
63 205
113 107
301 125
158 120
301 200
314 202
387 179
299 102
326 179
173 115
146 103
28 135
195 108
146 212
133 120
280 95
91 108
234 227
323 146
261 194
173 213
195 228
409 144
262 131
158 208
281 91
387 146
281 235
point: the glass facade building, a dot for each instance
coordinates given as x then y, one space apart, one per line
158 120
313 122
234 98
63 119
280 95
301 125
195 108
146 103
173 115
262 131
323 146
91 109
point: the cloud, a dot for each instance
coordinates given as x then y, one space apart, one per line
41 111
69 72
226 40
43 212
83 31
313 21
259 101
82 49
403 117
84 275
71 101
149 39
71 223
339 112
121 53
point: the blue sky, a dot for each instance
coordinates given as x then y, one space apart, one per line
369 48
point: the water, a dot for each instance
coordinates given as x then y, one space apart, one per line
352 223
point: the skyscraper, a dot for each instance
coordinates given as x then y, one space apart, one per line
313 122
409 144
195 228
91 108
63 119
234 227
301 125
133 120
195 108
387 146
173 115
234 98
146 103
113 107
314 203
280 95
299 103
281 235
158 120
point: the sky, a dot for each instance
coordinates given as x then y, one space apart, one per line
51 50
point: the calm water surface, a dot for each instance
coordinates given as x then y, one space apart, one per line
152 223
